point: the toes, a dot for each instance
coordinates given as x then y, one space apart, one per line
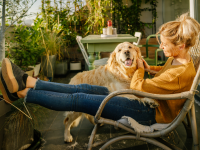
154 105
68 139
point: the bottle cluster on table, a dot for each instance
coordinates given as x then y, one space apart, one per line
109 30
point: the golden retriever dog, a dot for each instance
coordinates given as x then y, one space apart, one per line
116 75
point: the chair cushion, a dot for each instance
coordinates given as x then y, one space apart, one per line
131 123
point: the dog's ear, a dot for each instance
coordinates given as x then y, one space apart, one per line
138 52
112 58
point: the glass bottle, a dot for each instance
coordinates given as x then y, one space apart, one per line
109 28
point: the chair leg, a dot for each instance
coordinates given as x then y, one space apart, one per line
92 137
188 126
188 120
194 128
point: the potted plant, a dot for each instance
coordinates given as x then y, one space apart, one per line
73 51
62 60
53 43
61 67
25 50
75 64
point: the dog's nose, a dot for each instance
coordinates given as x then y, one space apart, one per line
127 52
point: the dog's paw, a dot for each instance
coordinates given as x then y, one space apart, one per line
153 103
68 139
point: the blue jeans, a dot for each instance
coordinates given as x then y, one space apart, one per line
87 99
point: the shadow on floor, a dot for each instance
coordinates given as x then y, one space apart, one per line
52 129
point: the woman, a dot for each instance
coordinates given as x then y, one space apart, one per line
174 77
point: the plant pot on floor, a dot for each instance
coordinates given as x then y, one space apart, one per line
75 65
30 72
48 66
36 69
61 67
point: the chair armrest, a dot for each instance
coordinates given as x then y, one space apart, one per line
183 95
141 45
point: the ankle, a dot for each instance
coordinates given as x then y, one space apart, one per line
30 82
22 94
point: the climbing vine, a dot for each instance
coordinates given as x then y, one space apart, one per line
92 17
127 18
97 15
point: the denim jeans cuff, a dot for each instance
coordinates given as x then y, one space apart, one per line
36 84
26 95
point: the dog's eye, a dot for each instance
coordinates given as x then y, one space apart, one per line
129 47
119 50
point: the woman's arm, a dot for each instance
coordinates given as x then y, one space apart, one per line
155 68
165 83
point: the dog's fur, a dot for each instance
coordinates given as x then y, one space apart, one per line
116 75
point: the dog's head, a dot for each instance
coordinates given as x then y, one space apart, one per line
123 58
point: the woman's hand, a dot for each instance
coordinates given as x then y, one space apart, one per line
140 63
146 66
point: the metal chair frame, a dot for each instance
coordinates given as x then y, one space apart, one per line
150 61
139 36
98 62
188 111
78 39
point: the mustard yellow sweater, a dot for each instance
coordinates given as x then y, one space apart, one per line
169 80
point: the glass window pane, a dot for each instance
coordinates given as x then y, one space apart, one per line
174 8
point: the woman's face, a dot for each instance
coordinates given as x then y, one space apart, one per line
169 49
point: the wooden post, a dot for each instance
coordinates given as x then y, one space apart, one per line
193 9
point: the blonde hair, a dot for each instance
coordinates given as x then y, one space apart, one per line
184 30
